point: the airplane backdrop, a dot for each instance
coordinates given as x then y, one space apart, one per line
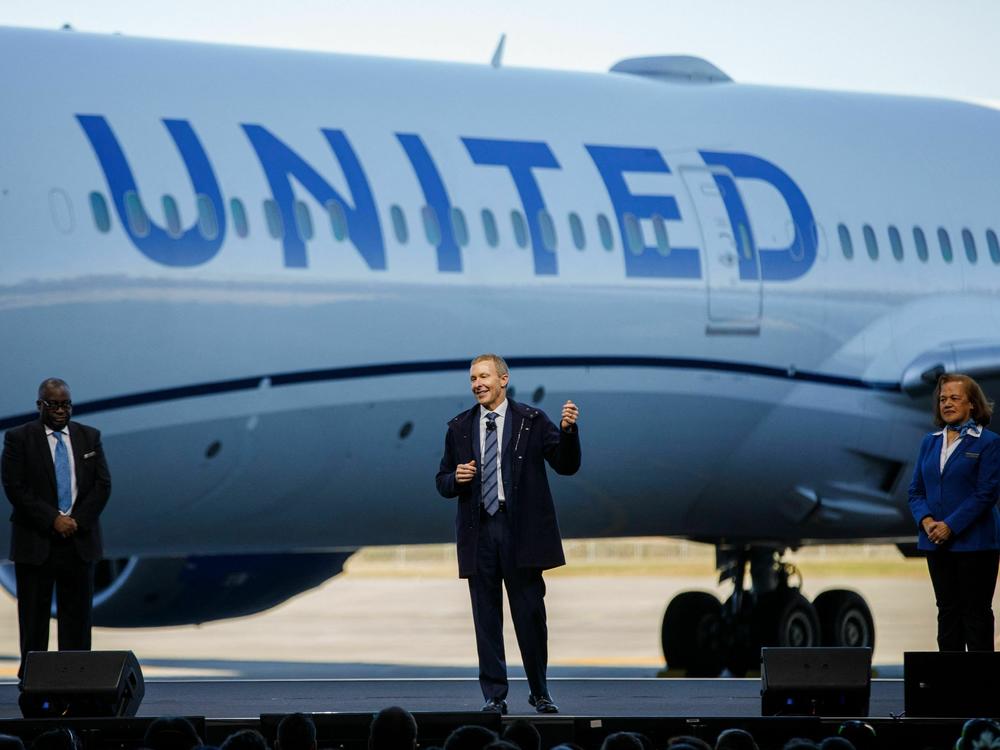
264 274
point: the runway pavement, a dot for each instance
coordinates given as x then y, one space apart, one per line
363 625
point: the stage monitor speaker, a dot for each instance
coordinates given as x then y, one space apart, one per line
815 681
957 684
81 683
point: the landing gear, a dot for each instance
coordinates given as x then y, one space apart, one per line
701 637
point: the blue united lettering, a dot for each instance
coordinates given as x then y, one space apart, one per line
282 164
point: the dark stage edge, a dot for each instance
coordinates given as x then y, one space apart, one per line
232 699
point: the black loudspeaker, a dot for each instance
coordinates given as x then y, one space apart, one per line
815 681
81 683
956 684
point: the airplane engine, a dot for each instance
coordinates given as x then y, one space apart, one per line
155 592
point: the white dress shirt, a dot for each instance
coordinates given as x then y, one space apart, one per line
50 434
501 412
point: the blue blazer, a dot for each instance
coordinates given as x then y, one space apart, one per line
964 495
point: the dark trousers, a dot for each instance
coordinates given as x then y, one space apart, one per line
525 592
963 587
73 579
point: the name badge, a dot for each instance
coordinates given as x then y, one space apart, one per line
971 455
94 453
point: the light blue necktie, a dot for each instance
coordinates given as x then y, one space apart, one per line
64 483
491 492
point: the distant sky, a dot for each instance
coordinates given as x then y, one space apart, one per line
925 47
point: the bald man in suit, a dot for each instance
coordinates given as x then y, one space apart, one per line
507 532
56 478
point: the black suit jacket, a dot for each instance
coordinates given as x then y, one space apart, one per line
29 480
529 440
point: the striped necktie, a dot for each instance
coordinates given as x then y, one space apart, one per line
491 493
64 483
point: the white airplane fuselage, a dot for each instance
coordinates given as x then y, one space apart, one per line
741 381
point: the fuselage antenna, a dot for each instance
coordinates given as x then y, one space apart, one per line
498 54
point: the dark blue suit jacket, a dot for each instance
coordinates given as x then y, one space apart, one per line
964 495
29 479
529 440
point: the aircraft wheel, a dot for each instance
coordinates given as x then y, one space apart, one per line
786 618
691 634
844 619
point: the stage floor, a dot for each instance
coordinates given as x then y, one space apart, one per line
607 697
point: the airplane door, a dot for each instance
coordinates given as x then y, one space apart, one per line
732 265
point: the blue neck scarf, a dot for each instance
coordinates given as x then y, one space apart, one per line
963 429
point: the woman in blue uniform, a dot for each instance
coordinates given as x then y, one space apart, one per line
953 498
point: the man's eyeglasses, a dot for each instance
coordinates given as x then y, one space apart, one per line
54 405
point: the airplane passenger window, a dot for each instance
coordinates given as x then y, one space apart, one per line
604 229
970 246
459 227
576 229
870 242
520 228
846 244
921 242
239 217
338 221
548 230
275 228
432 229
138 221
490 228
172 215
303 221
399 224
945 241
633 234
208 221
991 240
743 231
660 230
61 210
897 243
99 209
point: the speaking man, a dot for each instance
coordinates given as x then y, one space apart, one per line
55 476
506 527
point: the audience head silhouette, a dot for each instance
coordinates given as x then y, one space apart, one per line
523 734
979 734
735 739
246 739
469 737
296 732
621 741
393 728
171 733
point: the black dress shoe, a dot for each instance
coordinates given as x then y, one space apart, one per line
495 706
543 704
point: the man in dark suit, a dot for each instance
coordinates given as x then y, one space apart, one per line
55 476
506 526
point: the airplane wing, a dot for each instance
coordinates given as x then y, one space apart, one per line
978 359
